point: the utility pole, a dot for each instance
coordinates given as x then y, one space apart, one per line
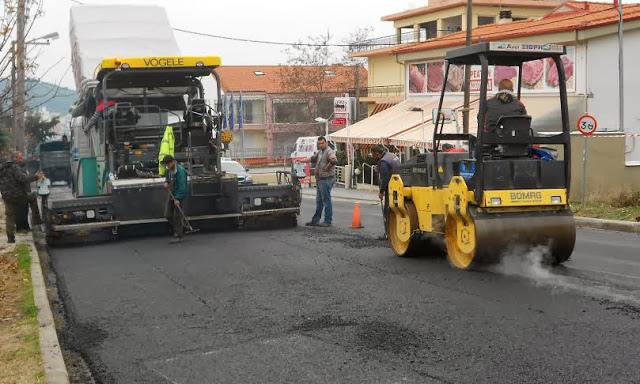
621 65
14 122
467 73
357 84
19 102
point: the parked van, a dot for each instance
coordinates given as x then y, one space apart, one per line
306 146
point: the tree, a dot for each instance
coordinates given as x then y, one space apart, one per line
39 130
5 140
308 65
8 19
358 41
316 68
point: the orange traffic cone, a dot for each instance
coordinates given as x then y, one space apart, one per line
356 222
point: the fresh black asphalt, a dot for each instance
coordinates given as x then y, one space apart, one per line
333 305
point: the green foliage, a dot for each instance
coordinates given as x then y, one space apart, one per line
39 130
24 263
24 256
5 140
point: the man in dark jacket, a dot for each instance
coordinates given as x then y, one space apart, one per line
504 103
388 164
176 183
12 185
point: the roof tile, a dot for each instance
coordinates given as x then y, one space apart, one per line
238 78
550 4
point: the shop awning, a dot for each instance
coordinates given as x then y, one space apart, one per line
413 137
381 107
402 124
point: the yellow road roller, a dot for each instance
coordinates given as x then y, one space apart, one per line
508 191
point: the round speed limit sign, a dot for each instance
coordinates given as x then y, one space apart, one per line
587 124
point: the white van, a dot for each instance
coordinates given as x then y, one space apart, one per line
306 146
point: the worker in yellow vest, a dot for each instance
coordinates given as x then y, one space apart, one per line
166 148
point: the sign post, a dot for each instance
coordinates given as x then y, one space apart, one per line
587 125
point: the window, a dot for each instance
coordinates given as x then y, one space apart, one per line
537 76
329 73
451 24
253 109
324 107
290 111
483 20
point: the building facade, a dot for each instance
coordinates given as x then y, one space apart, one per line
589 31
438 19
281 103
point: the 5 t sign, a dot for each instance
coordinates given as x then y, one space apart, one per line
587 124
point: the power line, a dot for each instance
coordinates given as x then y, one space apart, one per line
271 42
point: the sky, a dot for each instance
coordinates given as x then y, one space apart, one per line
277 20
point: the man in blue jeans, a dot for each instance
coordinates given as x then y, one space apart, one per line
325 161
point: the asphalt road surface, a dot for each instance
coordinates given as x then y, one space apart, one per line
333 305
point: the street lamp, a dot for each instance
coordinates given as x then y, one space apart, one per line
48 38
18 58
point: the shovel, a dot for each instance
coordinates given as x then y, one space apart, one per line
184 217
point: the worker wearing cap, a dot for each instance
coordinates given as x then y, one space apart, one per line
388 164
178 187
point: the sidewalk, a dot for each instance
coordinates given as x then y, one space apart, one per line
343 194
367 196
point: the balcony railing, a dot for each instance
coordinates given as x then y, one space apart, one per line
379 91
391 40
404 38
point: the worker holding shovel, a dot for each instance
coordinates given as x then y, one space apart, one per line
176 184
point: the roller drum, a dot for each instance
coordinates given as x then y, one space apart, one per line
497 233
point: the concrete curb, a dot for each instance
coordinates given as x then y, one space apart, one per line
55 370
607 225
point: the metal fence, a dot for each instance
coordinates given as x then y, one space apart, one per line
369 175
387 41
243 153
379 91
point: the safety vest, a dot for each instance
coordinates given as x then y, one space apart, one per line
166 148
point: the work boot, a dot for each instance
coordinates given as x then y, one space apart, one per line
324 224
11 239
176 240
312 224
